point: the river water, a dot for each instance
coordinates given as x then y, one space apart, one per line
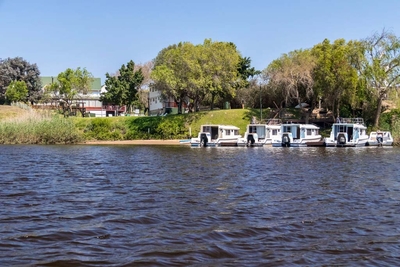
180 206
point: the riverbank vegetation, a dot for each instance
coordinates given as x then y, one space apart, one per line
38 127
179 126
33 127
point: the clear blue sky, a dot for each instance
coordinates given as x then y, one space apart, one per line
102 35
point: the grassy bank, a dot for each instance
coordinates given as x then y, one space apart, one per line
159 127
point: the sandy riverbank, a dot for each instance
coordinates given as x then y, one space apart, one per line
135 142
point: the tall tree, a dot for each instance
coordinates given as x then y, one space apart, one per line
220 69
173 71
335 76
292 73
144 88
188 71
18 69
245 88
123 89
246 71
382 66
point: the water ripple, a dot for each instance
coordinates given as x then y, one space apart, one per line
176 206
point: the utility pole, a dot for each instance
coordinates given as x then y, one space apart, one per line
260 105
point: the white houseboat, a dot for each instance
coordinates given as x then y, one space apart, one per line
347 132
297 135
216 135
258 135
380 138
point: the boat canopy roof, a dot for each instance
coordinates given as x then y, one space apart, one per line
300 125
350 120
220 126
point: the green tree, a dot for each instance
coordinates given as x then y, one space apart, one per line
246 87
17 91
220 69
123 88
71 84
174 71
245 71
335 77
187 71
18 69
381 68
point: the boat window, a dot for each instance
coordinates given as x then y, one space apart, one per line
287 129
274 132
228 132
206 129
236 132
308 131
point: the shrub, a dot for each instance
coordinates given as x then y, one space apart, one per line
104 129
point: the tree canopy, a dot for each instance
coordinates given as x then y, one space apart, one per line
18 69
122 89
210 70
381 68
71 84
335 77
17 91
292 75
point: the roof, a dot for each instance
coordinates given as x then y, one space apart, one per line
45 80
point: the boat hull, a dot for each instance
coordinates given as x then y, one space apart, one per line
244 143
375 143
351 143
296 143
217 143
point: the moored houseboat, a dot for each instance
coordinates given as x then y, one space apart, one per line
211 135
347 132
260 134
296 135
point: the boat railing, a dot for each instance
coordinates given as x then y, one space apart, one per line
350 120
274 122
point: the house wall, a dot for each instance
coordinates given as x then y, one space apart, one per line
156 106
159 106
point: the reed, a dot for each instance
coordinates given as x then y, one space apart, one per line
38 128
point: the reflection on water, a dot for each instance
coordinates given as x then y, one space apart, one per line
179 206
